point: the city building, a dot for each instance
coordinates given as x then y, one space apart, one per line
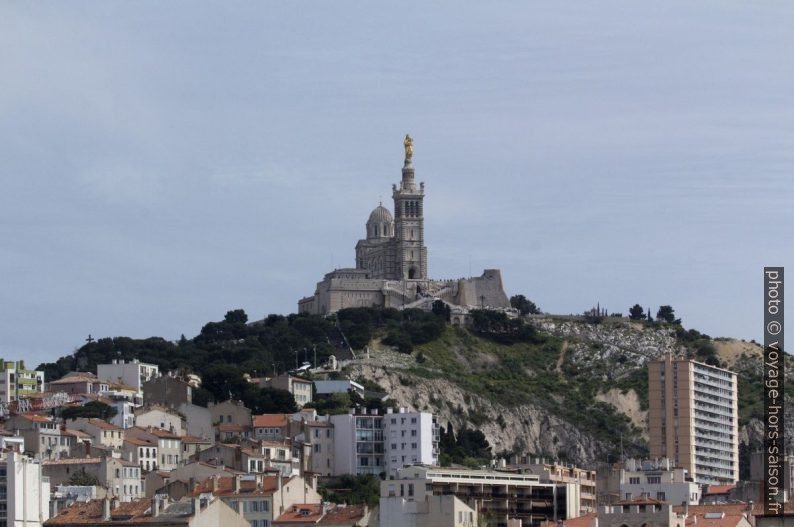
260 498
141 451
329 387
300 388
410 438
201 511
657 479
391 267
693 418
445 510
169 445
167 390
326 514
42 436
24 491
639 512
319 435
358 443
102 432
230 412
16 381
585 480
78 382
499 497
133 374
159 417
270 427
121 478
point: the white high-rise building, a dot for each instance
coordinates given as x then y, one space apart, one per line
372 443
411 438
24 492
132 374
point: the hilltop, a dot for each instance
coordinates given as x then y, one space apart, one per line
570 388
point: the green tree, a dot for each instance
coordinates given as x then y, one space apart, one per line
666 314
81 479
636 312
91 410
236 316
524 305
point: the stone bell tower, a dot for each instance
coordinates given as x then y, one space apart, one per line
409 224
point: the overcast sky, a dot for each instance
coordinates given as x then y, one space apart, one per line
164 162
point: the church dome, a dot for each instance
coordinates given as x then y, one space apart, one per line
380 223
380 215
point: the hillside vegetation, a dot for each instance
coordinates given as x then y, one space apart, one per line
572 388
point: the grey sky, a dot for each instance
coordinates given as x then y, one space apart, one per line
163 162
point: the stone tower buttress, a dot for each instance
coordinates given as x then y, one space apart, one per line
409 228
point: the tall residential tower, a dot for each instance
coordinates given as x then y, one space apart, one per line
693 418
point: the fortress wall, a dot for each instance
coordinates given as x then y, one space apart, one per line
486 289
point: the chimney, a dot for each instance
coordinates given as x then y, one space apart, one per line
685 504
155 506
214 479
196 505
106 509
237 483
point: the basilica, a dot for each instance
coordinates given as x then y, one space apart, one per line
391 263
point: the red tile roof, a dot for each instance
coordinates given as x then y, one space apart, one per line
270 421
718 489
718 515
586 520
224 486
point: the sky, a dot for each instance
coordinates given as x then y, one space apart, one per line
164 162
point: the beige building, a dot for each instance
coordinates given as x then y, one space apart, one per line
391 263
499 496
640 512
560 473
169 445
693 418
203 511
301 389
260 498
230 412
102 432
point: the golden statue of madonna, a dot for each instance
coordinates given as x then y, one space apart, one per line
409 147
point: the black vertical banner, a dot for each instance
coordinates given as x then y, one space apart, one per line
774 445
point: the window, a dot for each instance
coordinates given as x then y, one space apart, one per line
654 480
660 496
634 481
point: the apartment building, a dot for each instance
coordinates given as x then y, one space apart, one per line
410 438
319 435
260 498
132 374
120 477
693 418
169 445
43 438
24 491
358 443
585 480
16 381
499 497
300 388
656 479
77 382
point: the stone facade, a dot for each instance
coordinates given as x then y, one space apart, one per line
391 264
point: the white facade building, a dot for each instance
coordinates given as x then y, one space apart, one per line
358 443
132 374
658 480
24 492
411 438
369 443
